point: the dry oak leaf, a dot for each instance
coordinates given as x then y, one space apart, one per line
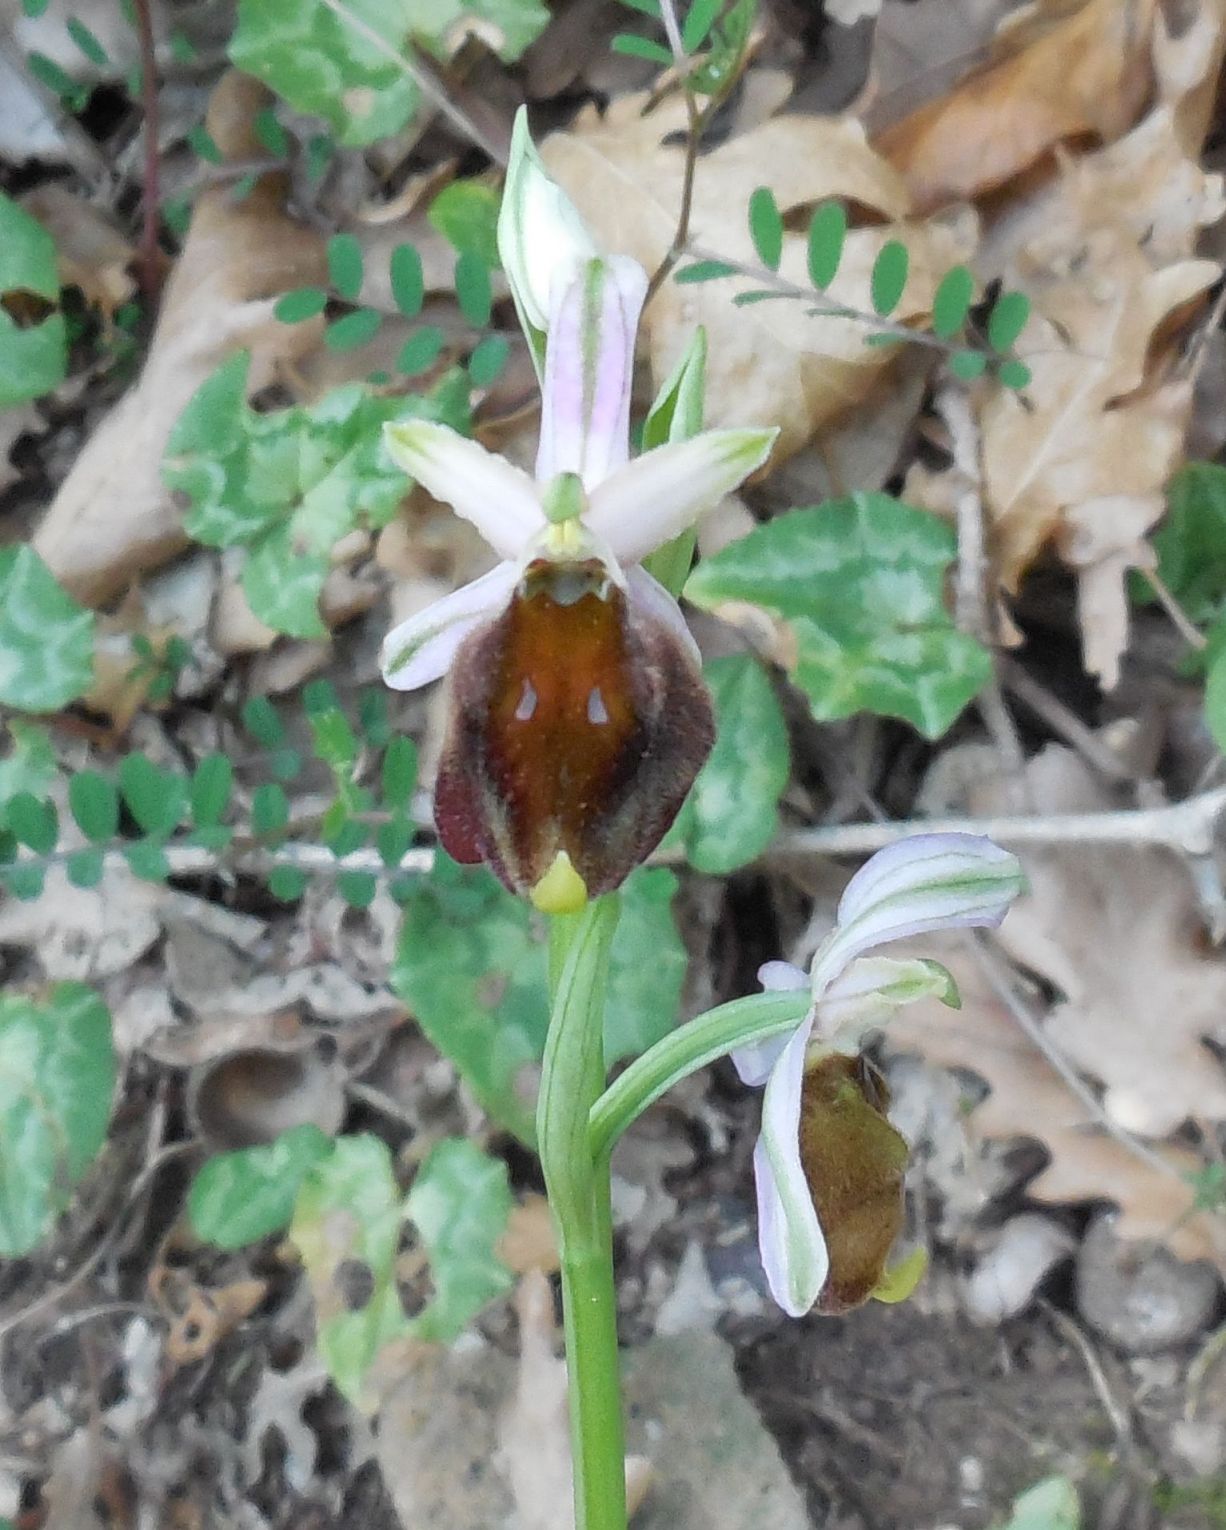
769 362
1060 71
93 254
112 518
1082 458
1028 1098
1115 931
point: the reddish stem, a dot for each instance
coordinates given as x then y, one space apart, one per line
150 255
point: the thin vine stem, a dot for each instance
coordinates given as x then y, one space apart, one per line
150 263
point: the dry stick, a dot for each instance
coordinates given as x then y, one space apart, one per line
1062 721
424 81
1189 633
696 123
971 597
150 266
1185 828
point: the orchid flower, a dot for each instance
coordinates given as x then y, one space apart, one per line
579 717
828 1166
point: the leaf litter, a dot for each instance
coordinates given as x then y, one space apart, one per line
1092 198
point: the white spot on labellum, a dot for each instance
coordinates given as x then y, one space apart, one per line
597 712
526 709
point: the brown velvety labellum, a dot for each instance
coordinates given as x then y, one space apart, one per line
578 723
854 1161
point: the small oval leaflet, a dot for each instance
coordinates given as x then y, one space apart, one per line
889 276
766 227
827 235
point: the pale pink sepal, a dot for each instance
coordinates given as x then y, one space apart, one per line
589 368
657 496
923 883
421 649
793 1250
502 502
753 1063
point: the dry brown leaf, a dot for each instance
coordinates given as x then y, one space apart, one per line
768 364
1029 1099
122 680
1081 458
112 518
92 252
1114 930
1061 71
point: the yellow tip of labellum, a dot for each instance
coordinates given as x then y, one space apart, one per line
561 890
897 1284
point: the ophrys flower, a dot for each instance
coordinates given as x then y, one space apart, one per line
579 717
828 1165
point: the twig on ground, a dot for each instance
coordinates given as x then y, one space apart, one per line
1185 828
1179 617
974 572
1062 721
1121 1422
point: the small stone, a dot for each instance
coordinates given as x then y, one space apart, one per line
1139 1296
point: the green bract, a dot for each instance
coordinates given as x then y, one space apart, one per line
46 638
731 815
471 964
350 69
34 357
57 1075
288 485
859 583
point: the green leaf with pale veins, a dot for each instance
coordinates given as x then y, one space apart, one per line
57 1077
459 1203
471 964
351 70
859 582
33 357
290 484
346 1228
732 812
238 1198
46 638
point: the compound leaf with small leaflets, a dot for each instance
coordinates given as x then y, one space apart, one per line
859 585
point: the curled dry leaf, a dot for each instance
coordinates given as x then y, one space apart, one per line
1058 73
768 363
93 254
1080 459
1138 1003
112 517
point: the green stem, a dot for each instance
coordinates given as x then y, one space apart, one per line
572 1078
684 1051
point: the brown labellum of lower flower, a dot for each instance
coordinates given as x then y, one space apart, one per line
854 1162
578 722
